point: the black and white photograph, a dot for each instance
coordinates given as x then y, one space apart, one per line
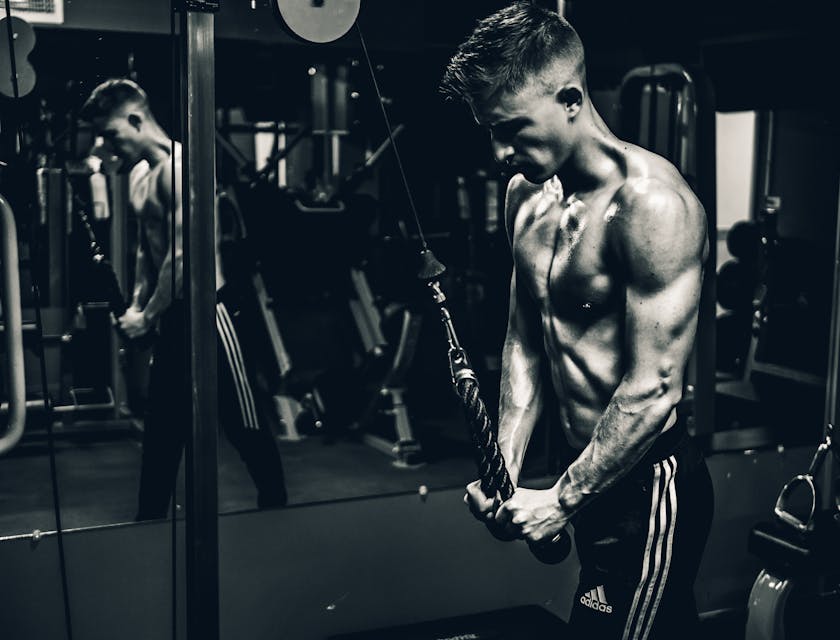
419 320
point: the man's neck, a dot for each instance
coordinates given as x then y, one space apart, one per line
594 161
158 149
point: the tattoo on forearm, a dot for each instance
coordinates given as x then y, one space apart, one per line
620 440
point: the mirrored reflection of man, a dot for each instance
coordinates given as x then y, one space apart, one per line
119 112
608 245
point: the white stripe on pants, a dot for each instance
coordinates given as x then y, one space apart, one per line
658 548
233 351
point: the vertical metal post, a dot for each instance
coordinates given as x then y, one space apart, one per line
198 202
319 89
764 159
833 374
703 167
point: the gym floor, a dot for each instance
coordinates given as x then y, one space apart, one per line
98 471
98 468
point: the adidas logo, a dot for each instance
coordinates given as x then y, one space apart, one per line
596 599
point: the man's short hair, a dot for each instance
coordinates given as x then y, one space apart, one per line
509 47
112 95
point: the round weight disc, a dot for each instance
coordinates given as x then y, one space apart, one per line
318 20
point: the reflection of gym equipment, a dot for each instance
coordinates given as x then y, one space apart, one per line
360 389
76 347
333 179
295 401
16 69
17 76
95 380
387 397
351 345
11 316
289 408
246 169
383 421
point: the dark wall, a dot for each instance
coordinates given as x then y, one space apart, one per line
757 54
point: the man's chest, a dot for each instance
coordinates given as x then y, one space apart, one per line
561 252
146 204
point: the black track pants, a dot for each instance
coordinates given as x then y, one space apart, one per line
640 546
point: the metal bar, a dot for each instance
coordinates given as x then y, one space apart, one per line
260 127
56 249
674 133
645 100
371 314
198 202
14 335
281 354
833 375
703 167
767 126
38 405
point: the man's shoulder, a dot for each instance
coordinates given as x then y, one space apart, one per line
138 172
655 197
652 180
518 191
658 214
647 194
519 188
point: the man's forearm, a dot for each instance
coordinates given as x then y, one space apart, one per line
520 406
623 435
162 296
515 431
142 285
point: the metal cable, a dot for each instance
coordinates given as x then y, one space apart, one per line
39 341
392 140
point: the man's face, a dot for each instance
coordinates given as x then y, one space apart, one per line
529 130
120 136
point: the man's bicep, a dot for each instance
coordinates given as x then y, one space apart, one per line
171 201
141 256
661 325
663 247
